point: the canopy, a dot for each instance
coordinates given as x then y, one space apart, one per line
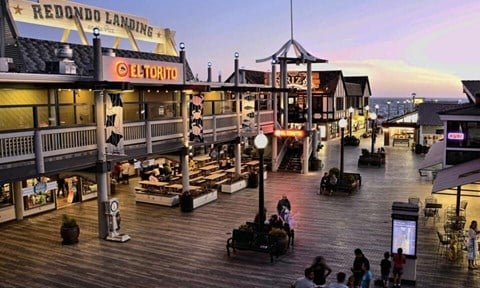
458 175
434 156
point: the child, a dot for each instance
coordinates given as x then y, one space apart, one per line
385 267
398 260
367 276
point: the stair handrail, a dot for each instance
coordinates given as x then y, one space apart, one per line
282 153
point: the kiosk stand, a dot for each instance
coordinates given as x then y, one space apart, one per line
404 235
112 210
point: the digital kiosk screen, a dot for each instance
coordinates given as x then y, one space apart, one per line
404 236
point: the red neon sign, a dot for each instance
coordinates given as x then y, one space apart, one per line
455 136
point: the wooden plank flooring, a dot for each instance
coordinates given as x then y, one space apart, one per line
174 249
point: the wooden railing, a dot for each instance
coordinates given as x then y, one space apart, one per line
21 146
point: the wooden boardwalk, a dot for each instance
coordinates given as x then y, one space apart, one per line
174 249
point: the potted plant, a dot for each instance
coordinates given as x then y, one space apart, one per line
69 230
279 237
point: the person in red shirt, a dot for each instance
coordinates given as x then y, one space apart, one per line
398 260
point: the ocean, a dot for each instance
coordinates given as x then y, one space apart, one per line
400 106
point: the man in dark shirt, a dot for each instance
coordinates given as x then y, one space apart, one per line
360 259
284 202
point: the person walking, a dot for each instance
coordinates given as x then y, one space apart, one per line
472 245
125 173
306 281
340 281
398 260
385 267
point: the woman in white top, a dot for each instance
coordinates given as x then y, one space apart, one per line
472 246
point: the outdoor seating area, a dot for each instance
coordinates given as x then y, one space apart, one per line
260 238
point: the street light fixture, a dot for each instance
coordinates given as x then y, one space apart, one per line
260 143
351 110
373 117
388 109
342 123
366 118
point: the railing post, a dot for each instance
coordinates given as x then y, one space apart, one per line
38 143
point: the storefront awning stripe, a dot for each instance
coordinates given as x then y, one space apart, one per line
434 156
462 174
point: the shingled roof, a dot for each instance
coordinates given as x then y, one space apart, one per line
353 89
428 112
251 77
30 56
362 80
329 80
467 109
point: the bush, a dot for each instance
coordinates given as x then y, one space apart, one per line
68 222
335 171
351 140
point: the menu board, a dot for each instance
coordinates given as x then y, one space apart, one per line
404 235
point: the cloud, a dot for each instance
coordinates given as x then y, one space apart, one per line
396 78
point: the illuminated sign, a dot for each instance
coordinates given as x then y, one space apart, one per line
76 16
289 133
141 71
455 136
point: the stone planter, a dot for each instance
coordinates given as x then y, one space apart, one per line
70 234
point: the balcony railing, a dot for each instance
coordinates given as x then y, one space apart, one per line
21 146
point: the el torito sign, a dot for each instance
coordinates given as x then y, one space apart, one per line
141 71
61 14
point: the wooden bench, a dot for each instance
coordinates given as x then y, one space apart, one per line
252 241
222 182
401 141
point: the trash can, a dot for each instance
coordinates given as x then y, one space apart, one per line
315 164
113 188
253 180
186 202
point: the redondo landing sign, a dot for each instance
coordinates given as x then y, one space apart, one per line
61 14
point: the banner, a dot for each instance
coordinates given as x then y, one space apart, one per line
248 112
114 124
196 118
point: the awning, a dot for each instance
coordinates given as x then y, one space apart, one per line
458 175
434 156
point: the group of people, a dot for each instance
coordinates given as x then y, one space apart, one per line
316 275
328 183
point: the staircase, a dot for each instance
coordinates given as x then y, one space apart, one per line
292 161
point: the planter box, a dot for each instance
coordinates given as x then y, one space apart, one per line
234 187
204 199
167 200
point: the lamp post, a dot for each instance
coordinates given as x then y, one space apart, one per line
373 117
101 175
366 118
350 110
342 123
388 109
261 142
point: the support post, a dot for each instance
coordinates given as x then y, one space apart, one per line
101 174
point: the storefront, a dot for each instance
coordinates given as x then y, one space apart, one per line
38 197
7 208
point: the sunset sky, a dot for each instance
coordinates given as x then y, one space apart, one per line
421 46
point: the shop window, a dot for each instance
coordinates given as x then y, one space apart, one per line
459 157
463 134
6 195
